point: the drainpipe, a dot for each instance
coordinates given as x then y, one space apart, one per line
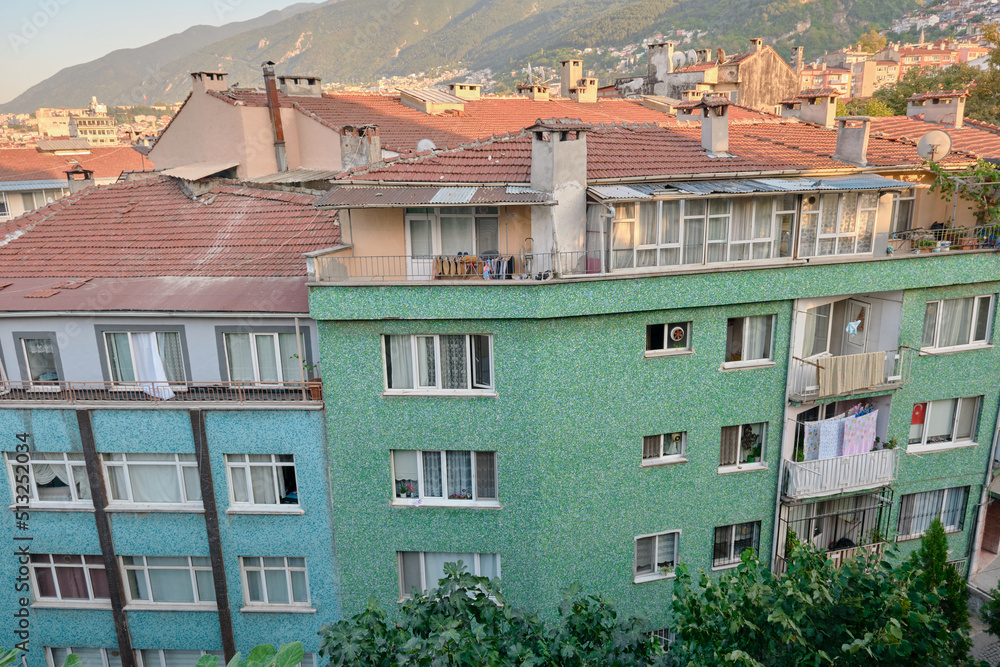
274 108
983 502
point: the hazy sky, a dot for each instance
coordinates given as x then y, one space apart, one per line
40 37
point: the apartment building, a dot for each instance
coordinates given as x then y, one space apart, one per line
823 76
165 449
590 354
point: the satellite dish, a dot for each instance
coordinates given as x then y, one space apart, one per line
425 145
934 145
679 60
692 57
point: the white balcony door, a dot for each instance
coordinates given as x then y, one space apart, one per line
857 311
420 245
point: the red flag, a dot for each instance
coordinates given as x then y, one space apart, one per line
918 413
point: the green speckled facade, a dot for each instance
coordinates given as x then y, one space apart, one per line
575 395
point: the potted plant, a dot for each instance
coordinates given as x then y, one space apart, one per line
314 384
925 244
667 570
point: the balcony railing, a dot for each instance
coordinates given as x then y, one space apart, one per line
857 472
843 375
155 393
839 556
918 241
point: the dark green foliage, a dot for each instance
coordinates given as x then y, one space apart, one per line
990 613
289 655
916 81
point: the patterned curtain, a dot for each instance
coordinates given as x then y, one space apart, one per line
486 476
432 474
728 451
453 371
459 475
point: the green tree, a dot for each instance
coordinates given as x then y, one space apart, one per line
868 107
939 578
872 42
979 185
264 655
956 77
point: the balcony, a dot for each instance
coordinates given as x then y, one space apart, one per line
841 474
847 374
155 394
335 268
919 241
839 556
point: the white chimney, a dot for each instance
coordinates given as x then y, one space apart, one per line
535 91
466 91
300 86
818 106
714 122
946 107
202 81
559 167
852 139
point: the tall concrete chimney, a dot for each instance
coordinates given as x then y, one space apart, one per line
274 108
659 63
559 167
756 43
852 139
570 74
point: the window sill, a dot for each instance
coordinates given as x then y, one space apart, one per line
643 578
939 447
942 351
277 609
654 354
746 365
154 507
292 510
71 604
720 568
745 467
468 393
170 606
910 538
437 502
55 507
665 461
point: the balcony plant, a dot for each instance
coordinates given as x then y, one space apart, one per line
314 383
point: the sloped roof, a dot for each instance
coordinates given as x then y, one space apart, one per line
30 164
978 138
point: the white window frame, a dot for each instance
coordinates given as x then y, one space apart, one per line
855 234
750 363
59 600
908 195
474 567
129 503
657 575
734 559
954 440
977 305
443 500
161 662
664 459
266 604
143 570
434 218
76 503
50 659
437 390
254 335
944 503
749 465
131 384
41 385
253 507
666 350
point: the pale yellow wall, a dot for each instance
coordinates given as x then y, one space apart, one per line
206 130
374 231
931 207
515 228
317 146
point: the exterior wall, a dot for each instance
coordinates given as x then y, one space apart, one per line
15 204
206 130
317 146
765 80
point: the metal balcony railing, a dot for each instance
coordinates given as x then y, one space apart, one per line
982 237
839 556
154 393
841 474
843 375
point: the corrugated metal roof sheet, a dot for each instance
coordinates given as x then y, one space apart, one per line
377 196
297 176
192 172
20 186
432 95
71 144
744 186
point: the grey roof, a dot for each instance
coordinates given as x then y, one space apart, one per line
432 95
298 176
744 186
71 144
21 186
395 196
196 170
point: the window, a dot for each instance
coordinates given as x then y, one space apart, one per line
274 580
144 355
446 362
749 339
69 578
89 657
664 448
40 358
453 230
742 444
838 224
267 358
262 479
918 510
957 322
169 579
902 210
655 556
450 478
153 478
950 420
732 541
669 338
422 570
55 477
154 657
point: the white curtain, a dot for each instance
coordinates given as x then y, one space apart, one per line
155 484
240 357
817 333
120 357
288 352
434 564
729 450
459 475
149 367
954 506
644 555
171 354
267 361
453 371
262 479
665 550
171 585
757 333
918 510
432 474
400 362
956 321
457 233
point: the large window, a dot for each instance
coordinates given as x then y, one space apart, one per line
952 420
699 231
153 356
655 556
742 444
153 478
957 322
838 223
169 580
422 570
439 363
267 358
41 360
664 448
444 477
453 230
918 510
732 541
262 479
89 657
55 478
749 339
68 578
275 581
154 657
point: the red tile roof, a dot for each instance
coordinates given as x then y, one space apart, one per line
30 164
153 228
978 138
939 95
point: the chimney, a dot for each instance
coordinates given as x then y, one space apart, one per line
852 139
274 109
715 125
570 73
466 91
559 167
819 106
799 50
585 90
944 107
300 86
756 43
535 91
704 55
659 63
360 146
202 81
79 179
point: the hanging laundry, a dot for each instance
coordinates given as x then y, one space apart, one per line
852 328
831 436
811 445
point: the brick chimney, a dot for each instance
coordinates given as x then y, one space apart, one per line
852 139
274 110
202 81
559 167
535 91
300 86
360 146
466 91
946 107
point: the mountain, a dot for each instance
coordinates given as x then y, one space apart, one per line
358 41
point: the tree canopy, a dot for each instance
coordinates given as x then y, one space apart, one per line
872 42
